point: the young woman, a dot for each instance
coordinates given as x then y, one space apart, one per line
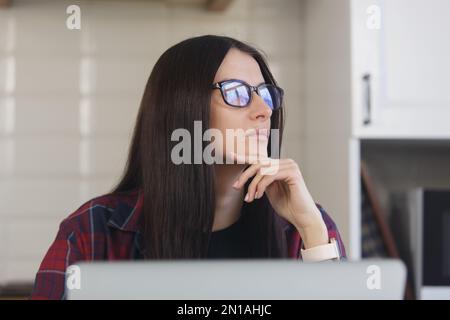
165 210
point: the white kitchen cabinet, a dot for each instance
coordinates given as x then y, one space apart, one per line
401 67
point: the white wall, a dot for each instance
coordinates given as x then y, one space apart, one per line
329 149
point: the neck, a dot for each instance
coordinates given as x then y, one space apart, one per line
228 200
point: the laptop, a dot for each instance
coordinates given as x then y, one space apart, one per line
236 280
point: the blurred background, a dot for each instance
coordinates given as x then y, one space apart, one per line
367 104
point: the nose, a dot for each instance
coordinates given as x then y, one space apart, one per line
259 110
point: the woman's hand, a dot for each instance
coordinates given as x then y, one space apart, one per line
286 190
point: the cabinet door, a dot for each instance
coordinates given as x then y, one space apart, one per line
401 61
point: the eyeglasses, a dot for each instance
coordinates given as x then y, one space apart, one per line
238 93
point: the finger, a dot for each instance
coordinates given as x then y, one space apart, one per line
282 174
271 166
268 180
264 169
247 174
250 196
262 185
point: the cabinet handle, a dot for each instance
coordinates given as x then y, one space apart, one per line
367 99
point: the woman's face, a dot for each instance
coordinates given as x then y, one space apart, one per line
242 66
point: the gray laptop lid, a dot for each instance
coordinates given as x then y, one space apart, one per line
237 279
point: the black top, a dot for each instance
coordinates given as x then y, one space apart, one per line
231 242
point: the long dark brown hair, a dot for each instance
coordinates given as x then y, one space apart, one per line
179 200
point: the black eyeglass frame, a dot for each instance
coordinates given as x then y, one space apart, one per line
219 85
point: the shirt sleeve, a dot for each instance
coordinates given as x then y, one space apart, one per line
296 242
50 278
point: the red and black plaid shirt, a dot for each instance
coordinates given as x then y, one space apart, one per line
109 228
